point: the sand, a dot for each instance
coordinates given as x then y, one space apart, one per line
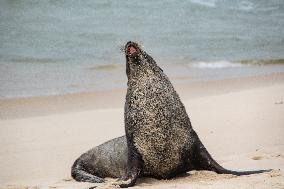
240 121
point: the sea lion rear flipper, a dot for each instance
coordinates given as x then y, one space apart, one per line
79 174
202 160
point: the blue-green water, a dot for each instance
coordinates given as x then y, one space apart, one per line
56 46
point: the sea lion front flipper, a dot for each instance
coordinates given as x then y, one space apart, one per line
134 167
132 173
129 180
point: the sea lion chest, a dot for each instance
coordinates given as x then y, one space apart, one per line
155 120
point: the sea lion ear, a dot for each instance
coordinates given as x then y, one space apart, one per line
148 57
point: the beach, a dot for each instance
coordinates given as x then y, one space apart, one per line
63 84
239 120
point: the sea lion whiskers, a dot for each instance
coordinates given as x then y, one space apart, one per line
122 48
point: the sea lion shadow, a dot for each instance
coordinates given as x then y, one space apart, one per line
148 181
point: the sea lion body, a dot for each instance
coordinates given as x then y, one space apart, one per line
156 123
106 160
160 141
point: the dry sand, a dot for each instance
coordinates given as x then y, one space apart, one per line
240 121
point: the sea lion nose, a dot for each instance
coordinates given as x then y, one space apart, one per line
131 43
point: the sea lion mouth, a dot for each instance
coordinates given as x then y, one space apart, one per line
131 49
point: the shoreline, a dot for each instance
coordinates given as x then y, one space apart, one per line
12 108
90 80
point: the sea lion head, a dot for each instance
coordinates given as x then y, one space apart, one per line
137 59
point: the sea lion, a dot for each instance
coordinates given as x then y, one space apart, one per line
160 141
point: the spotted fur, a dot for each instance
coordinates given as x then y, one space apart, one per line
156 121
160 141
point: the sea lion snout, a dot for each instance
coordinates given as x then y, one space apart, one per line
132 49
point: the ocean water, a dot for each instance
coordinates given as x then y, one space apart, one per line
65 46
